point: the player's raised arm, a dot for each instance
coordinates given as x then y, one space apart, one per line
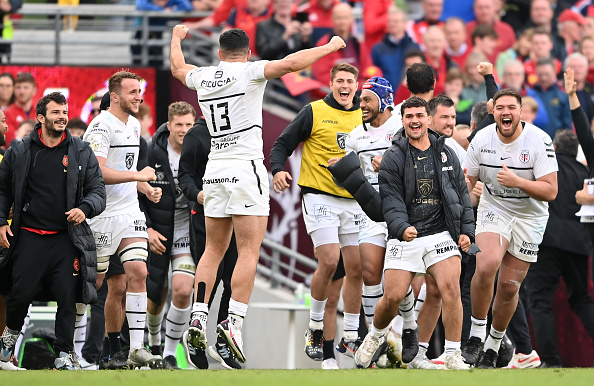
179 67
300 59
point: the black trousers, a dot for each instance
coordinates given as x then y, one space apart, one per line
225 272
44 262
542 282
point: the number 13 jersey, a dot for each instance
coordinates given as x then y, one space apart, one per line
230 97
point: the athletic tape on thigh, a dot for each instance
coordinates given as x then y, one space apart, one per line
102 264
183 264
134 252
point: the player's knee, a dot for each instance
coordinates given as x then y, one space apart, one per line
393 298
508 288
433 292
116 285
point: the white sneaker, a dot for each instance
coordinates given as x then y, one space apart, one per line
64 361
456 362
524 361
330 364
9 366
440 360
84 365
142 357
365 353
394 347
421 362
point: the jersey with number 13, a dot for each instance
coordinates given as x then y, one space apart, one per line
230 97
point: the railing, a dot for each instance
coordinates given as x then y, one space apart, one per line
271 264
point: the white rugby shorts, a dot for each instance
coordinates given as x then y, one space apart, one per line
109 231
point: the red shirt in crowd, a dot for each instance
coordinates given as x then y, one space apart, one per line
14 116
506 34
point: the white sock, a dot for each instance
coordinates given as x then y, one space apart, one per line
407 310
351 327
478 328
371 295
237 312
420 300
136 314
201 311
378 332
176 319
494 340
154 327
80 328
316 314
397 324
451 347
423 347
19 343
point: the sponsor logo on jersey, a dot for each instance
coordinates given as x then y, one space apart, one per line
216 83
208 181
488 151
341 139
322 212
425 187
129 160
102 240
525 156
139 226
490 217
332 122
394 252
529 249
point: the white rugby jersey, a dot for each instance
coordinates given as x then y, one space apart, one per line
118 143
368 142
230 97
458 150
530 156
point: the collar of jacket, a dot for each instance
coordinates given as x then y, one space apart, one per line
161 136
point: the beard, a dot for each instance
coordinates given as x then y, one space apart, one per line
2 139
51 129
127 107
372 116
511 132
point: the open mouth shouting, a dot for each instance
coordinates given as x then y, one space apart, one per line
506 123
344 95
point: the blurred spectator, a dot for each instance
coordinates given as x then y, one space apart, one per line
484 41
205 5
220 14
145 118
542 46
554 99
7 7
23 107
342 18
6 90
475 89
375 20
156 26
484 10
584 90
586 48
246 18
529 109
410 58
513 77
454 85
435 44
455 32
458 8
570 25
479 112
432 10
95 108
24 129
389 54
320 16
282 35
520 51
588 28
461 133
541 16
76 127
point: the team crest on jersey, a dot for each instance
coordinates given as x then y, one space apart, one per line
444 157
65 161
160 176
341 139
525 156
390 135
425 187
129 160
137 132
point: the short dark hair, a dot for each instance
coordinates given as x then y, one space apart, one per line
343 67
440 100
542 31
507 92
76 123
482 31
179 109
7 75
115 82
234 42
566 141
420 78
479 112
25 77
546 62
414 101
58 97
414 53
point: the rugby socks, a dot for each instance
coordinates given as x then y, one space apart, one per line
136 315
237 311
154 327
200 311
371 295
19 343
378 332
328 348
106 350
423 347
407 310
451 347
397 325
420 300
316 314
478 328
115 344
176 319
80 328
351 327
494 340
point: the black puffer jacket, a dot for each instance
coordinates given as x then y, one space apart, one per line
160 216
397 185
85 190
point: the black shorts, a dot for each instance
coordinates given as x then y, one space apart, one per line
340 272
115 266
